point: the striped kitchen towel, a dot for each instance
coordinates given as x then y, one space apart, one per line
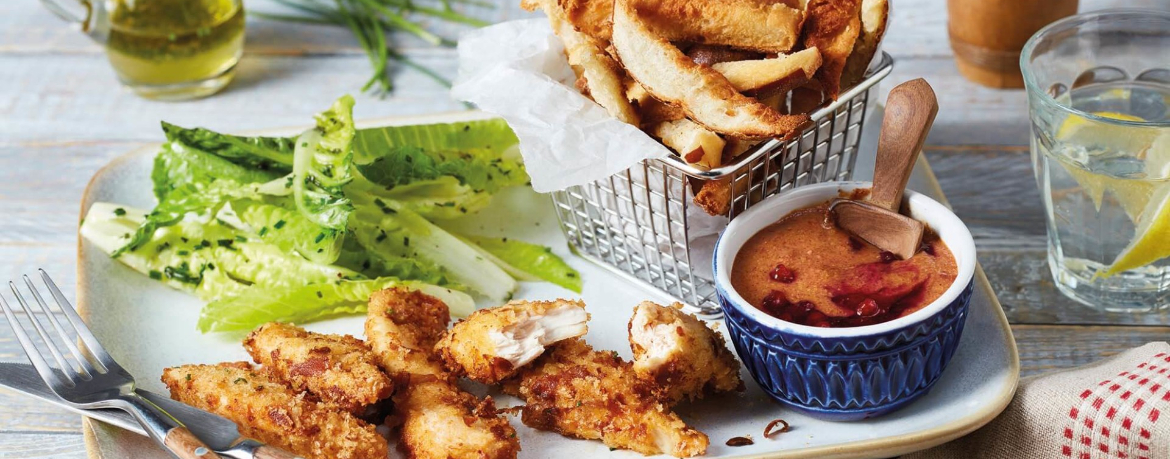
1113 409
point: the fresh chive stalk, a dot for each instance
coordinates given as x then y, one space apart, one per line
371 20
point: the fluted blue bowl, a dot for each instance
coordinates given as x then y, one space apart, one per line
846 373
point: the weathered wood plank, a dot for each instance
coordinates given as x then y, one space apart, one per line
993 190
35 445
82 102
1051 347
27 414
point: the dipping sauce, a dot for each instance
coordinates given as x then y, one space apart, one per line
804 269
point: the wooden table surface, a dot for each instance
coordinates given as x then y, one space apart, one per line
62 116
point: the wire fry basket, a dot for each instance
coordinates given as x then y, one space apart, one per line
641 223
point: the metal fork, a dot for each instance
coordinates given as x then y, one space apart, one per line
92 379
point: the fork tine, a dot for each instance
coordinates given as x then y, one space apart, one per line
34 355
91 342
69 342
63 364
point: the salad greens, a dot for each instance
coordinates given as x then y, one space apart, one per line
306 227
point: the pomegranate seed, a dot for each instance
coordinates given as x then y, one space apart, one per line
888 257
806 306
816 316
775 302
822 324
782 274
868 308
855 244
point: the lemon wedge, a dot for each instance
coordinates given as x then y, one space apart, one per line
1151 241
1133 195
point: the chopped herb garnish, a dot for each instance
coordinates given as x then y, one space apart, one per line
119 211
279 224
154 274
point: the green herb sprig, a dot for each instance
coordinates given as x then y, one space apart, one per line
370 20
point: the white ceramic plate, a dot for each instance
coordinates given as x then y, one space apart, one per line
147 327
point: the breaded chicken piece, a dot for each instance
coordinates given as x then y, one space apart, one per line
579 392
437 419
490 344
680 354
337 369
273 412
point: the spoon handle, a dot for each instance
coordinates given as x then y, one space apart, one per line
910 111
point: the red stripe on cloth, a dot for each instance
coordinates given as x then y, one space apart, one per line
1113 396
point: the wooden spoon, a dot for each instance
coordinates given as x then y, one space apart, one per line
910 111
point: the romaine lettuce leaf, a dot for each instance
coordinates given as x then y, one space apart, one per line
529 261
491 135
391 230
177 165
306 303
481 154
440 198
202 255
257 153
373 265
277 222
322 165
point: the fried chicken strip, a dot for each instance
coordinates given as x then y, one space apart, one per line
273 412
491 344
579 392
337 369
680 354
438 420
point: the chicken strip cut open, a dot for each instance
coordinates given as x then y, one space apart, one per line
681 355
337 369
273 412
491 344
580 392
436 419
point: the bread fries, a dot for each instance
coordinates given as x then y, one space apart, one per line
697 145
601 74
758 25
711 79
785 72
705 95
873 28
832 27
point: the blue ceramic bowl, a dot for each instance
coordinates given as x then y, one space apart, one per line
846 373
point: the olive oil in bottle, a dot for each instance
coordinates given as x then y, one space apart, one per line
175 49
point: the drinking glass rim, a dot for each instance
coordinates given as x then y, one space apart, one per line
1031 86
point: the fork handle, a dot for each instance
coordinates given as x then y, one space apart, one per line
182 443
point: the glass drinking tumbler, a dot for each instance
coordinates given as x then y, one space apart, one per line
1098 90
